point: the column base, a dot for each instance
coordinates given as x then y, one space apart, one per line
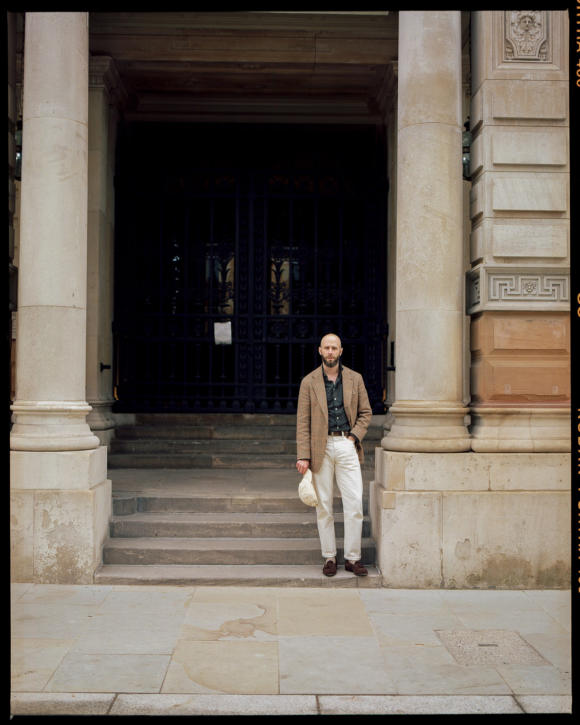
520 430
51 426
427 427
60 511
101 421
471 520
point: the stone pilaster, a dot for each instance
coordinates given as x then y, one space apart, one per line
429 414
60 498
518 284
105 98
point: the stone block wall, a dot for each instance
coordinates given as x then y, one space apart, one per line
518 285
472 520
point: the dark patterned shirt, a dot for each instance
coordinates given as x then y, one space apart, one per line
337 419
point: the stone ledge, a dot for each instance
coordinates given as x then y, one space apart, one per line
58 470
177 704
471 471
61 703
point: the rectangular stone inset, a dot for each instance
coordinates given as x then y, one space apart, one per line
535 192
542 101
535 239
517 332
489 647
530 147
532 380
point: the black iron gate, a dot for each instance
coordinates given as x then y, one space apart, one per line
237 248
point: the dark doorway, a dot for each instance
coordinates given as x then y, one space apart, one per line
237 247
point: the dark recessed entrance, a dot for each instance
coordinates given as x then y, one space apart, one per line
237 247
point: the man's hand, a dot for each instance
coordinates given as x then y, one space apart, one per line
302 466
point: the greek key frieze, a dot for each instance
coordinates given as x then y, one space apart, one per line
526 36
528 287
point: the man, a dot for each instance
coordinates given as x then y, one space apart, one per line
332 419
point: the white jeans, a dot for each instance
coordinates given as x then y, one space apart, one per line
340 458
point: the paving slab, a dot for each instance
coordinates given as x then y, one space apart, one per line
79 672
33 661
213 621
454 679
535 680
225 667
332 665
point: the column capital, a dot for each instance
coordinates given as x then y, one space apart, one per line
103 73
386 95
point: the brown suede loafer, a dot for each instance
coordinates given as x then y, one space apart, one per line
357 568
329 568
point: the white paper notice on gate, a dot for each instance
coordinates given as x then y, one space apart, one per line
222 332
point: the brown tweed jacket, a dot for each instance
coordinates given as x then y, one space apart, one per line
312 414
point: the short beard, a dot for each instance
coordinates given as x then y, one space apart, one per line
332 363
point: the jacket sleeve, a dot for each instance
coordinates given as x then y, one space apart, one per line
303 422
364 411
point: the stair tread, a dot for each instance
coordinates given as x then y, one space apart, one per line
223 517
180 542
233 574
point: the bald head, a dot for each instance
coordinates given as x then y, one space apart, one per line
330 350
333 336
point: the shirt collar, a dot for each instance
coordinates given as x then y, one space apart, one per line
326 380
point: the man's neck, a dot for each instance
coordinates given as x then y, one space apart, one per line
331 373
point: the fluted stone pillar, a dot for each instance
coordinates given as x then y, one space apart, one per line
60 495
429 414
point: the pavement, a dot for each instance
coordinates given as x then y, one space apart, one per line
210 650
138 649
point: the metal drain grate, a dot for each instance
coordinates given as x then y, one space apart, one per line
489 647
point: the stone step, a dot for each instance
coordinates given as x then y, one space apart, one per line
224 460
213 525
214 446
234 575
242 431
201 460
209 419
201 432
222 551
246 461
126 504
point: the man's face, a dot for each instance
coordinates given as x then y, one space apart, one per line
330 350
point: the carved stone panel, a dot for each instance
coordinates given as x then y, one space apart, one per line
504 288
526 36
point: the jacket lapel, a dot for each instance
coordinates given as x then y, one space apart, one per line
320 391
347 390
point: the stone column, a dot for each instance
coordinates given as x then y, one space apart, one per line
50 408
105 94
429 414
60 495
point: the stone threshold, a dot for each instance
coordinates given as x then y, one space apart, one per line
55 703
